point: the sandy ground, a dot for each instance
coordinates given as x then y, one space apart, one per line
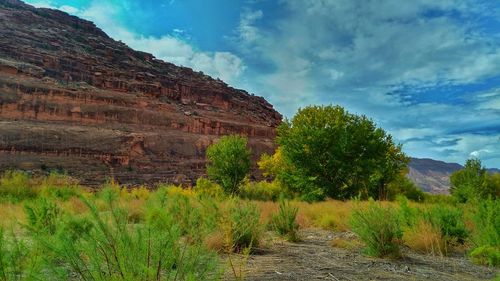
315 259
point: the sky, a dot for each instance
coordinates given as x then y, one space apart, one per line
427 71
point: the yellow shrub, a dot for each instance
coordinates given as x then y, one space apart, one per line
140 193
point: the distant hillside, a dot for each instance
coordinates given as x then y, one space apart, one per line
433 175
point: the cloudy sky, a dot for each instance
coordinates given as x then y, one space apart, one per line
427 71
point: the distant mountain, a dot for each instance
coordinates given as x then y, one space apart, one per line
433 175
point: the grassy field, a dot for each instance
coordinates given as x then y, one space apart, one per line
54 229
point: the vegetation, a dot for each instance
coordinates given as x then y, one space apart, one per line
379 228
327 152
60 230
229 162
474 182
285 221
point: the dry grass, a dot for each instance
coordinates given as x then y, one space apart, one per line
425 238
10 214
347 243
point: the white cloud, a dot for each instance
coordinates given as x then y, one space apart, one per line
383 59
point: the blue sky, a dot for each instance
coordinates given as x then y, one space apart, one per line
427 71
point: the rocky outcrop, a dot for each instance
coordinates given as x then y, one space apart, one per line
72 98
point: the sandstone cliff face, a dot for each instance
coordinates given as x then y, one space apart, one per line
72 98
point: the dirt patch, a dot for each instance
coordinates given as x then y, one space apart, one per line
315 259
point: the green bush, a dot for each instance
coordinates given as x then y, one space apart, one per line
263 191
487 223
244 226
379 228
59 186
284 222
450 221
408 216
16 260
16 186
42 215
229 162
486 255
112 249
208 188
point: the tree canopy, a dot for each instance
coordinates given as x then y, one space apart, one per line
327 151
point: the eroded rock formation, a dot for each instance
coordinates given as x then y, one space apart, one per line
72 98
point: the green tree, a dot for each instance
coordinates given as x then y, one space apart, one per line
229 162
465 183
337 154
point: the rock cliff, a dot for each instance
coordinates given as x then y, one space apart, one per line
72 98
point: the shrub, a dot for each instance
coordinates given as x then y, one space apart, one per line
449 220
42 215
378 227
486 234
16 261
229 162
59 186
425 238
284 222
208 188
487 223
486 255
111 249
243 230
263 191
16 186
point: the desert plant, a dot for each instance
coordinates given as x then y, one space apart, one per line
486 234
425 238
486 255
450 221
263 190
59 186
17 262
112 249
284 222
379 228
42 215
243 229
206 187
16 186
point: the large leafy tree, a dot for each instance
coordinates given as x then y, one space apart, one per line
228 162
337 154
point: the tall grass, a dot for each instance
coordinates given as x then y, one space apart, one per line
284 221
379 228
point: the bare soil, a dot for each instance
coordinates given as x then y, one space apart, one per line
314 258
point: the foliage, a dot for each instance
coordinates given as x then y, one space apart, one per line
263 190
331 152
42 215
486 255
243 228
473 182
16 261
450 221
229 162
285 221
16 186
401 185
112 250
379 228
487 223
208 188
59 186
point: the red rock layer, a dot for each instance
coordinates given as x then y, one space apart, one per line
72 98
